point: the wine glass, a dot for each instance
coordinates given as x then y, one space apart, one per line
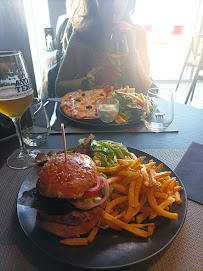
16 94
158 110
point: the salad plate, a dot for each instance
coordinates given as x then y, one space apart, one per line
110 249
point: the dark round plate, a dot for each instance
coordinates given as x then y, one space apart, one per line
110 249
98 124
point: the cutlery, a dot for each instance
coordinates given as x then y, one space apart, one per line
54 117
40 107
46 103
54 99
159 115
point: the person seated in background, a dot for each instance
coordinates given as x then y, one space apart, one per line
88 63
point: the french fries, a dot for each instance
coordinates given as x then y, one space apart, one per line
92 235
141 191
81 241
75 241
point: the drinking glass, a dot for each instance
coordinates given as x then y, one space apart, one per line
107 109
158 110
16 94
35 124
118 45
117 49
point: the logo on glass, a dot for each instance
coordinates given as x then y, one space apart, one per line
22 84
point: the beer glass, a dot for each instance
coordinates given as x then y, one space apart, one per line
16 94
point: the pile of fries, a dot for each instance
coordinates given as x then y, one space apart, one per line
140 191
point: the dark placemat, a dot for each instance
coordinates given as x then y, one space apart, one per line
17 252
192 162
73 128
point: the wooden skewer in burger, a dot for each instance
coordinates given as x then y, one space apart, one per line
68 194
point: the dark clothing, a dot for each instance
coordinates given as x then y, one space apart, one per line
6 126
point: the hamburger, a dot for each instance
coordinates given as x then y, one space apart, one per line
68 195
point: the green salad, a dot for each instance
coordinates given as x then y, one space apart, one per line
104 152
131 104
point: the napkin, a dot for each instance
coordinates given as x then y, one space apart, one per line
190 171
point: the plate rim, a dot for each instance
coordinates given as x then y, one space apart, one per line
115 266
87 122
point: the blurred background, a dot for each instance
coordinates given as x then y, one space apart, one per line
31 25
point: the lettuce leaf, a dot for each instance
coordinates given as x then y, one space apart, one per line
96 198
111 189
123 100
104 160
92 200
104 152
110 148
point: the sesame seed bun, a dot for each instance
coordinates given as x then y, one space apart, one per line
70 179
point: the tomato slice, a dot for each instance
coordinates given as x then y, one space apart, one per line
108 89
139 104
140 107
93 190
127 89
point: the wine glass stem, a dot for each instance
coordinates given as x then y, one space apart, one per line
23 150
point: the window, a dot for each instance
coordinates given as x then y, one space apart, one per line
169 25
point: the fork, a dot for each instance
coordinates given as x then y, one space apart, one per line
159 114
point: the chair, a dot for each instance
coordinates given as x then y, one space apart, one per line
197 77
194 60
49 73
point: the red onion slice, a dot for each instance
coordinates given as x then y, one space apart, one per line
83 205
99 179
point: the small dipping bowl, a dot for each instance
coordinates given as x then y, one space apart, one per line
107 109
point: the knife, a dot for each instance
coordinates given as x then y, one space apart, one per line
54 99
54 117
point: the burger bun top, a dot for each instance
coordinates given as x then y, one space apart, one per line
69 179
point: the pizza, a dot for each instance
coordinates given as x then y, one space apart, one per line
82 104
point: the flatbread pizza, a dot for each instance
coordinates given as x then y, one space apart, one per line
82 104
